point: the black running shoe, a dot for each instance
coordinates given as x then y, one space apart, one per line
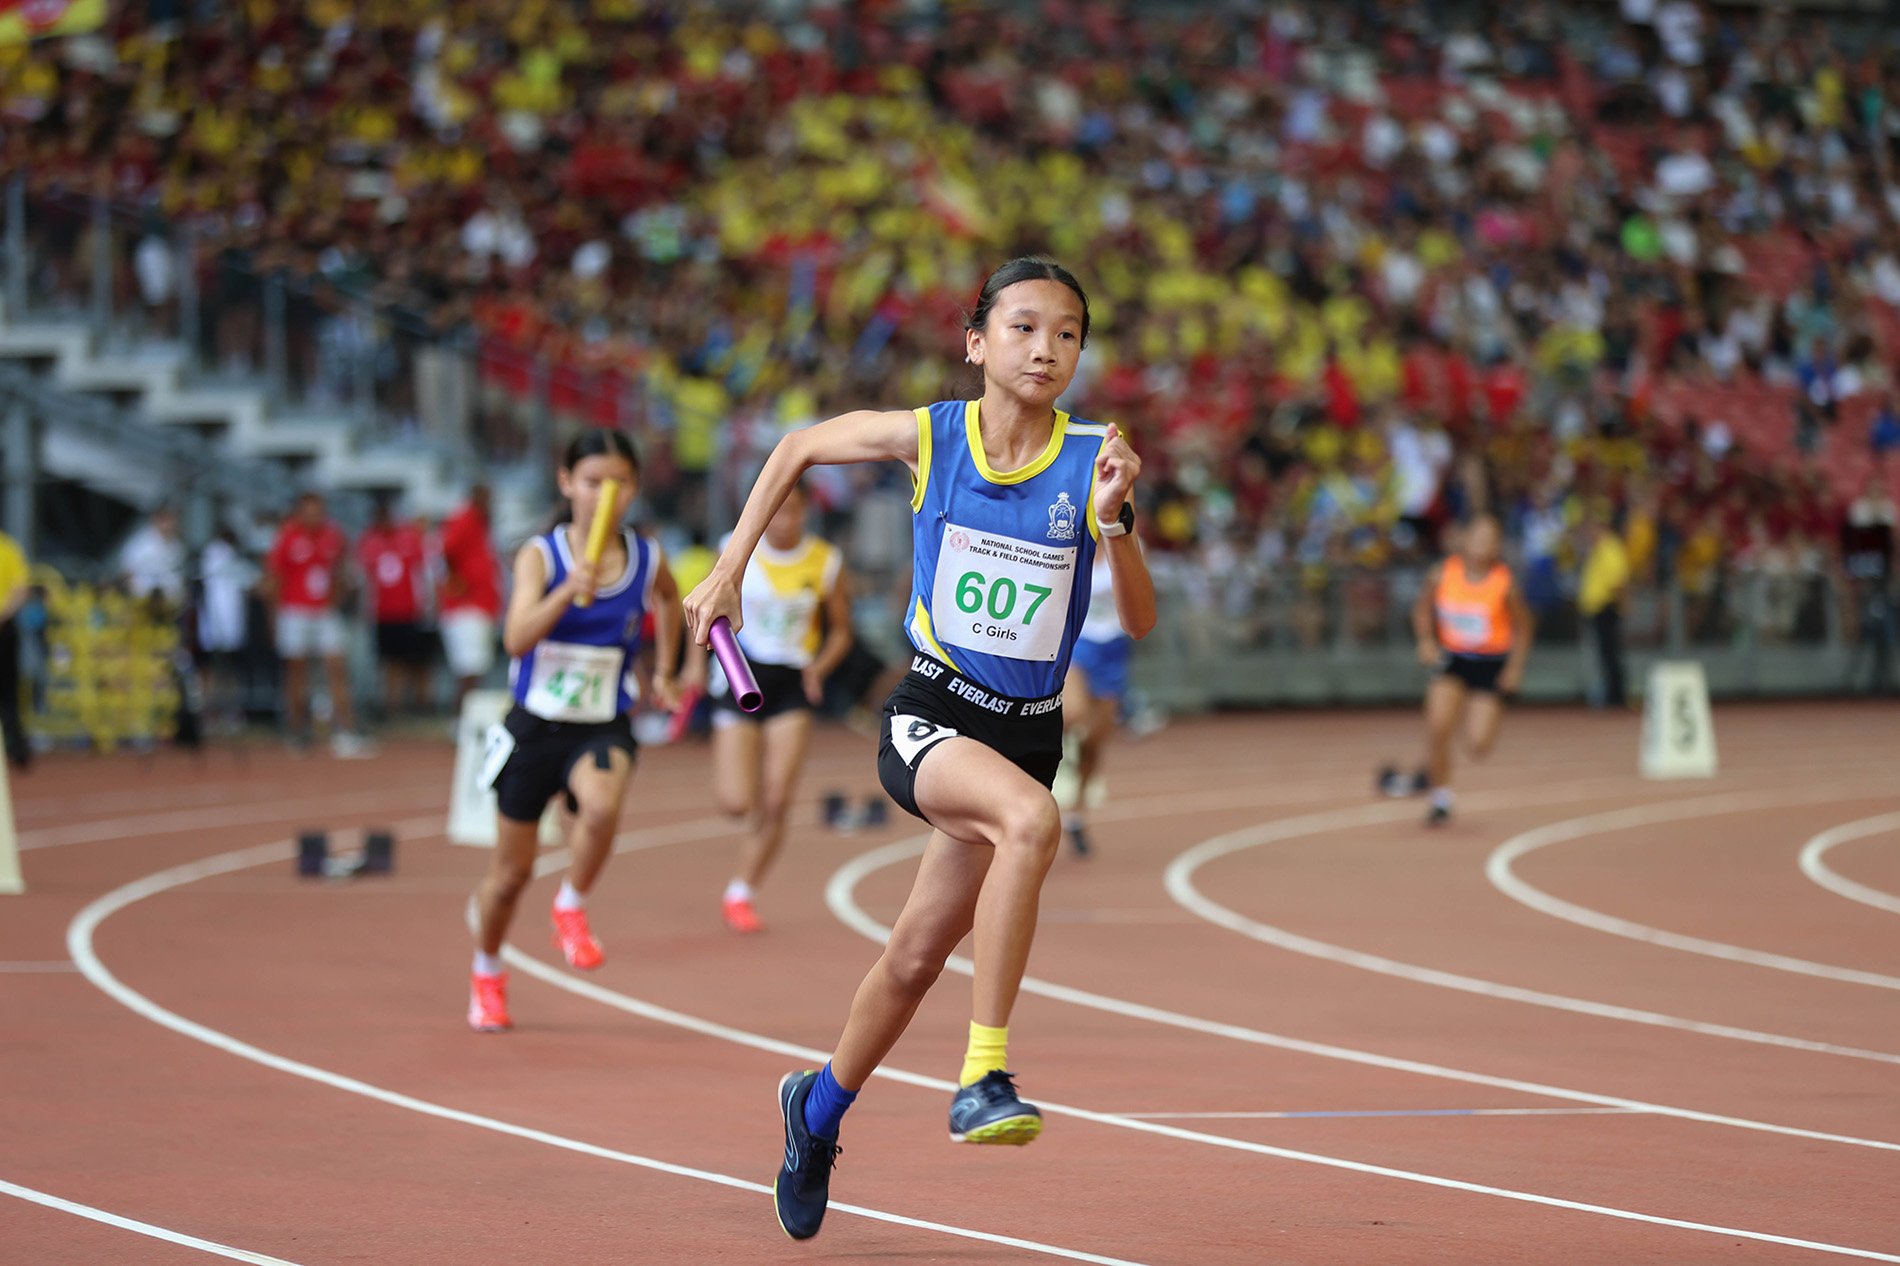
1421 782
1438 816
988 1111
803 1186
1079 840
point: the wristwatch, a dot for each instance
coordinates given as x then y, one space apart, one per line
1124 522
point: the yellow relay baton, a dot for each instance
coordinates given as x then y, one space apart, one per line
597 532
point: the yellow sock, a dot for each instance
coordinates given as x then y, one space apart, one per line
986 1053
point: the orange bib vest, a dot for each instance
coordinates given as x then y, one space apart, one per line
1474 616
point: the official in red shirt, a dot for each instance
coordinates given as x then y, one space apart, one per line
471 592
394 559
304 578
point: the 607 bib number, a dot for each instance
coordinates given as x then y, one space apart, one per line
1002 595
1002 599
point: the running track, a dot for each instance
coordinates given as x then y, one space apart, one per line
1273 1020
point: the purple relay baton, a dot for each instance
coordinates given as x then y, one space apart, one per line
745 690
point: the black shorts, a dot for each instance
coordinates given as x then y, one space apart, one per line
933 703
782 689
535 767
1478 672
404 642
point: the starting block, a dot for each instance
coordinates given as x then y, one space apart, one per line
844 817
377 857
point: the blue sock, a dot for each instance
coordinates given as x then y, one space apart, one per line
825 1105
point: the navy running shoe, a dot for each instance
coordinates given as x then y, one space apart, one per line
988 1111
1438 816
803 1186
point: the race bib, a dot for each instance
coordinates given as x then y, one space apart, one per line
776 628
1000 595
316 583
574 683
1473 627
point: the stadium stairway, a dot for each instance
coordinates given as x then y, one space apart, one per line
235 418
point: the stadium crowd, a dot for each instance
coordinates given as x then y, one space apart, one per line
1356 267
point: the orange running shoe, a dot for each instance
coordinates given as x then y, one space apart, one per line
740 916
583 952
488 1003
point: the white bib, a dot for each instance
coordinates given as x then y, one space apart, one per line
1471 624
1000 595
777 625
572 682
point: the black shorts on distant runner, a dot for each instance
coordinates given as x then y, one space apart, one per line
544 753
1478 672
933 703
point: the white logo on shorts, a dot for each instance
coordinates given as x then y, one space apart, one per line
912 736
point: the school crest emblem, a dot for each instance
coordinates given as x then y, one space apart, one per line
1062 516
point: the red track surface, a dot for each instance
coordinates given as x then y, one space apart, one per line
105 1107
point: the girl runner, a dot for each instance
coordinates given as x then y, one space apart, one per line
1474 631
573 628
1011 496
799 630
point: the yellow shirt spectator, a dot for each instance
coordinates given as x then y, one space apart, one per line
13 575
1606 573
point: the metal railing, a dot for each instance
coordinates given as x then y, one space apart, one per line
1240 637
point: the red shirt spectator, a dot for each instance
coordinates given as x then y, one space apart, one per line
473 579
1504 388
304 560
393 559
1342 398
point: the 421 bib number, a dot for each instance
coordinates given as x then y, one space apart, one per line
574 683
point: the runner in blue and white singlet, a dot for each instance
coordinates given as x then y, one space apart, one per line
1011 502
573 627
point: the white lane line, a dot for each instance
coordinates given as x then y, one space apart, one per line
1497 869
133 1224
1817 869
1328 1114
1179 879
811 1055
79 940
80 944
840 895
